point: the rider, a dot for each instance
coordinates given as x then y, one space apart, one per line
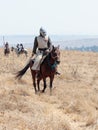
42 46
21 47
18 48
6 48
6 45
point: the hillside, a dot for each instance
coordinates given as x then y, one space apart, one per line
73 104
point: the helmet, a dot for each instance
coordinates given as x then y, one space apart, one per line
42 32
6 43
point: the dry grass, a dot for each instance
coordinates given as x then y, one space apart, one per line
72 106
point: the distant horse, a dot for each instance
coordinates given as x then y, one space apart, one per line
47 69
24 51
6 49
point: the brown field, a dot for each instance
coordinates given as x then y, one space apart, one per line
72 106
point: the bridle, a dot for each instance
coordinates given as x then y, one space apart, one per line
55 57
55 54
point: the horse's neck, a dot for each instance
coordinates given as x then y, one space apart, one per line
50 60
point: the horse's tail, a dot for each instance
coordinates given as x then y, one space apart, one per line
23 71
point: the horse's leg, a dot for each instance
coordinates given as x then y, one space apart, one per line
51 82
5 52
17 54
26 53
38 82
34 84
34 80
44 80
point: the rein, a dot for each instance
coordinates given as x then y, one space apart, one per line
52 66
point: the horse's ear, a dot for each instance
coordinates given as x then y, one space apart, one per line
53 47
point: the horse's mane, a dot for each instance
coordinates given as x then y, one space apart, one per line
46 58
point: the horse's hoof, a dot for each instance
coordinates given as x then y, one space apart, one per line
50 92
42 91
35 92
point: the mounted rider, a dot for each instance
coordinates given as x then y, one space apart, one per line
6 48
21 47
17 46
42 46
6 45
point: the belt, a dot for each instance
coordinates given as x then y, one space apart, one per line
42 49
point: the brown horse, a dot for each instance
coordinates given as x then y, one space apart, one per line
47 69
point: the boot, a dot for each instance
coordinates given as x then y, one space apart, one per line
57 73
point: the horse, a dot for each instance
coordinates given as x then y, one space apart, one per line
24 51
48 68
6 49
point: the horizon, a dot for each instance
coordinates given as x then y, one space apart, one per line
62 40
95 35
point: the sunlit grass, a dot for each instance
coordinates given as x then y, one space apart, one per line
72 106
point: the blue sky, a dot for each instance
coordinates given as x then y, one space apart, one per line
56 16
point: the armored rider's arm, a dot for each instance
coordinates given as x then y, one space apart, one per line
49 44
35 46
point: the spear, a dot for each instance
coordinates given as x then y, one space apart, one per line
3 41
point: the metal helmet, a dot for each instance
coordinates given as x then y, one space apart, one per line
6 43
42 32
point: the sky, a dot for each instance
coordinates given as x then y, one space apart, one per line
61 17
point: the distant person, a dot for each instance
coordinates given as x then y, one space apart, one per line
42 47
18 48
6 45
21 47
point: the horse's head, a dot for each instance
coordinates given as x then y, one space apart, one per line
55 54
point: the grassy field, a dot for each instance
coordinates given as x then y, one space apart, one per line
72 106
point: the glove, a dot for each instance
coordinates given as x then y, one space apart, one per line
46 52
